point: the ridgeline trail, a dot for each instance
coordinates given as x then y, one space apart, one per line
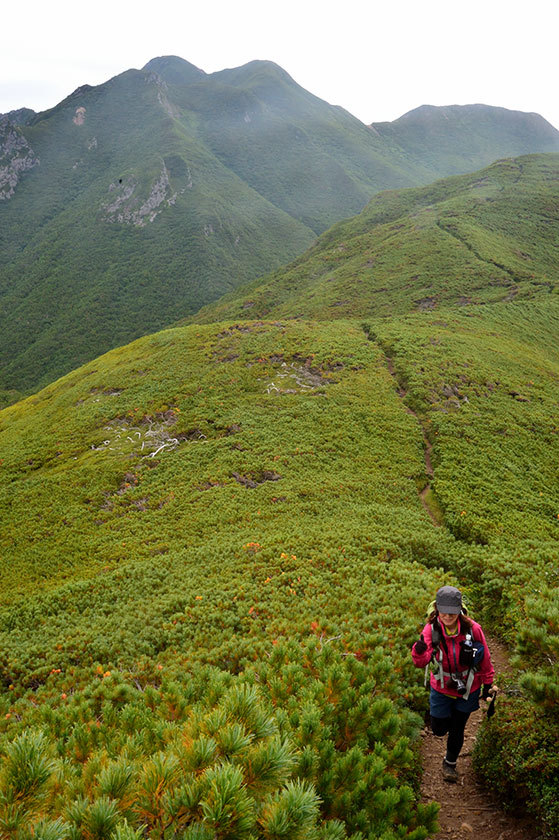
425 493
468 810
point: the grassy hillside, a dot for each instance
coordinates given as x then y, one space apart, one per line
132 204
216 495
456 283
219 541
483 384
465 241
180 511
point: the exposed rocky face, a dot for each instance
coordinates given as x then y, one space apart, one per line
162 98
16 156
22 116
128 208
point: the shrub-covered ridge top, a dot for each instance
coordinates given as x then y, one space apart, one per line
194 483
464 241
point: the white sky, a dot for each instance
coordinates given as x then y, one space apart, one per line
376 59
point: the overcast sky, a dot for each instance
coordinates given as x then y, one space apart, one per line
376 59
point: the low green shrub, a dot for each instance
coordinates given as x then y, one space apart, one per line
517 755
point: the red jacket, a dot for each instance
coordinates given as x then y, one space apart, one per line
450 663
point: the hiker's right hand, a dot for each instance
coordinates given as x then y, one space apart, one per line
420 646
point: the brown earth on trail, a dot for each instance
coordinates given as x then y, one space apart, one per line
468 810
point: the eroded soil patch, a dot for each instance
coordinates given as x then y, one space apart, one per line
256 479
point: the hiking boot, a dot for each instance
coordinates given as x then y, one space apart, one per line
450 773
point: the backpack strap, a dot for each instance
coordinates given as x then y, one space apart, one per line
467 674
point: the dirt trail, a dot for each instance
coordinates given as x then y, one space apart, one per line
467 809
424 494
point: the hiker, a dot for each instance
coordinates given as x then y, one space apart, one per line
456 647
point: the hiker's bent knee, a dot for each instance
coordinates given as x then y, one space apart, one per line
440 726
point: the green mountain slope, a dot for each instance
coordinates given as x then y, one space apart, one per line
134 203
127 216
461 138
315 161
218 542
468 240
185 512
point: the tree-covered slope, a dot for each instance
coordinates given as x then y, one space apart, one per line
467 240
134 203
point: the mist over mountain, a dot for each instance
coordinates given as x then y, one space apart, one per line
132 204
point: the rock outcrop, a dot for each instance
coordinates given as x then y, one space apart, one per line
128 208
16 156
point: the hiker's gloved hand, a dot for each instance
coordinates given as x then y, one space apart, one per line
488 691
420 646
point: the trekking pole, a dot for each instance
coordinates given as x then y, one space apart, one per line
491 706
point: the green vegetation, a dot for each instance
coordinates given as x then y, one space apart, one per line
161 190
217 549
265 437
442 138
9 397
82 257
484 384
222 549
468 240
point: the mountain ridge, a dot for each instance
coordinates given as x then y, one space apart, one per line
431 134
132 204
462 240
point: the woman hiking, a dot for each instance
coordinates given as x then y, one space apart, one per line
457 648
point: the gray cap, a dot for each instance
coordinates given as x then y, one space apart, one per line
449 600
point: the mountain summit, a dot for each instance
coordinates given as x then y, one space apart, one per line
174 69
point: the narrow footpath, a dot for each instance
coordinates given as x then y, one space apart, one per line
425 494
467 809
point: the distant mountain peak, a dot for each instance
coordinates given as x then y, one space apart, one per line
79 91
174 69
433 135
474 110
264 64
256 69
